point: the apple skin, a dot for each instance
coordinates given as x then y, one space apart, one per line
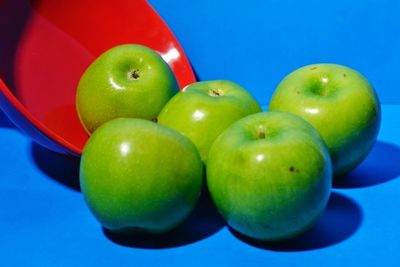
125 81
340 103
138 176
270 175
202 110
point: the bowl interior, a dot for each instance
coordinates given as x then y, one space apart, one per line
46 45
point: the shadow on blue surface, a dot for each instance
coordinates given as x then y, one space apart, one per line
4 121
340 220
60 168
381 165
203 222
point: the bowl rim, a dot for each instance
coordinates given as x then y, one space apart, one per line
64 145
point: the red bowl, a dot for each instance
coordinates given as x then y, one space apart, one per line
45 45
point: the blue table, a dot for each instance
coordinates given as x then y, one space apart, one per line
45 222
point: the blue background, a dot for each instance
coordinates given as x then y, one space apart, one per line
45 222
256 43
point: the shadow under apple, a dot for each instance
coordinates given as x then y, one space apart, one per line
340 220
60 168
381 165
202 223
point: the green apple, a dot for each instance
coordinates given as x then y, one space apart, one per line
125 81
138 176
270 175
202 110
340 103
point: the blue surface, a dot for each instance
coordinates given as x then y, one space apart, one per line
256 43
45 222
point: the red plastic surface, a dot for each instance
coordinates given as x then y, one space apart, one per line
45 46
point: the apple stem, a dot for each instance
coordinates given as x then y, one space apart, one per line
133 74
215 92
261 133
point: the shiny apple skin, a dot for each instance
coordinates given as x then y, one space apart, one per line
340 103
128 80
137 176
270 175
202 110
